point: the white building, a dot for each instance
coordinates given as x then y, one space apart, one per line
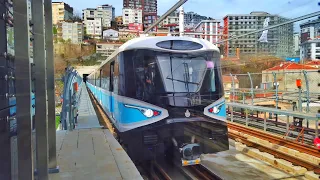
296 41
72 31
211 27
110 34
94 27
61 11
105 12
107 48
131 16
310 50
310 40
173 18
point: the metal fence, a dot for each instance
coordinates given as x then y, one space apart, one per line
27 121
303 127
71 98
276 89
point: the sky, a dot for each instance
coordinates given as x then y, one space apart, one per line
217 9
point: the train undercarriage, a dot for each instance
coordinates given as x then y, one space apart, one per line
182 142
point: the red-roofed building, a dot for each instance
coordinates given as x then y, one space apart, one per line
290 66
315 64
227 82
287 73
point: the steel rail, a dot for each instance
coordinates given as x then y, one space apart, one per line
201 172
161 171
275 139
277 154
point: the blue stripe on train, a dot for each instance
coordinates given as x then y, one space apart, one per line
121 113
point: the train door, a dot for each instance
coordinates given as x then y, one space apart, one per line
111 89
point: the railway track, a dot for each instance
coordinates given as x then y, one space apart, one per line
276 140
201 172
158 173
274 126
197 172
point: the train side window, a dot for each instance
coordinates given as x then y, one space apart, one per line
111 76
116 75
106 76
98 78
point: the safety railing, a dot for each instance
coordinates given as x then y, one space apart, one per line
276 89
70 98
290 124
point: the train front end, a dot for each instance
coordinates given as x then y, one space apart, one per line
176 88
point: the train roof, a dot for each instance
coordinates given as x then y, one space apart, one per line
150 43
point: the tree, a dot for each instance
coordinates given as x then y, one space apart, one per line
250 63
55 30
76 16
61 40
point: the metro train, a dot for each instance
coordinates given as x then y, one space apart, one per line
164 97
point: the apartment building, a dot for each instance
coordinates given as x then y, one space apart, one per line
191 19
149 10
94 27
68 30
171 21
280 39
107 48
211 29
110 34
131 16
296 41
61 11
105 12
310 40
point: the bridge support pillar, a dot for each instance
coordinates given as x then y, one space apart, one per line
52 161
25 148
41 116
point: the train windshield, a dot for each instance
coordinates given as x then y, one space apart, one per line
184 72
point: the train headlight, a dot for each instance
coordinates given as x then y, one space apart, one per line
214 110
148 113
